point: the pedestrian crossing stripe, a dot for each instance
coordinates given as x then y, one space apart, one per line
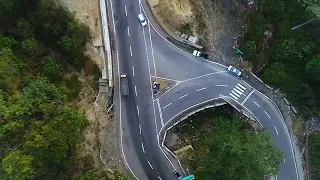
233 96
244 88
240 89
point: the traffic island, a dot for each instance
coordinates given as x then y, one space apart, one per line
161 85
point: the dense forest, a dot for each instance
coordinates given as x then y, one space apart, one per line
284 58
225 148
39 128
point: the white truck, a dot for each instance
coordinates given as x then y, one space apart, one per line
124 85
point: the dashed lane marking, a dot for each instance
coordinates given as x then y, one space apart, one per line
221 85
128 31
133 71
276 130
160 113
166 105
125 9
150 165
256 103
130 50
139 128
142 148
201 89
138 110
135 90
267 114
183 96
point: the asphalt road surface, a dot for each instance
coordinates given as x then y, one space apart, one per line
144 52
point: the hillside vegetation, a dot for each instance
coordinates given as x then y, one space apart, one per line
291 57
39 127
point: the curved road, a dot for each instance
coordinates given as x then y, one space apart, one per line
142 53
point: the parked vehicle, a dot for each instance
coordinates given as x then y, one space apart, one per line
176 172
234 71
142 20
200 54
124 84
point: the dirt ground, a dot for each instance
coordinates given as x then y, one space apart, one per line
217 23
87 12
99 145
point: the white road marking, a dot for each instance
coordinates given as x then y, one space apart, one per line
221 85
237 87
160 113
159 177
267 114
244 88
201 89
276 130
142 148
233 96
235 93
139 129
248 96
130 51
284 160
154 64
236 90
125 9
276 177
128 31
256 103
150 165
135 90
203 76
183 96
166 105
133 71
138 110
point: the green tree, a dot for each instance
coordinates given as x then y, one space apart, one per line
250 50
18 166
7 42
30 47
312 68
227 151
92 174
8 69
51 68
25 29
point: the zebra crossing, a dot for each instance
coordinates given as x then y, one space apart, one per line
237 91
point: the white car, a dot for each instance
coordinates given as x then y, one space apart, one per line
234 71
142 20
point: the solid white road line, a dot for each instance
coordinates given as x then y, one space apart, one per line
221 85
150 165
183 96
142 148
276 130
133 71
114 27
256 103
234 97
135 90
139 128
130 50
244 101
138 109
237 87
125 9
235 93
244 88
128 31
201 89
154 64
160 113
166 105
267 114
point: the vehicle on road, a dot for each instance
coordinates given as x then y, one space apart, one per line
176 172
234 71
142 20
200 54
124 84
